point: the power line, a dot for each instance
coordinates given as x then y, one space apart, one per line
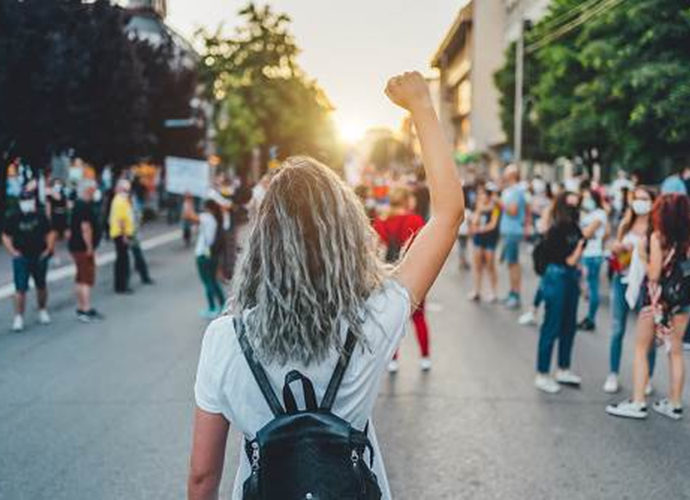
567 28
568 15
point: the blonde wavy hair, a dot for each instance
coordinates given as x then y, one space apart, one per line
310 265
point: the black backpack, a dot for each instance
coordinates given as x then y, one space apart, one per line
310 453
539 257
675 285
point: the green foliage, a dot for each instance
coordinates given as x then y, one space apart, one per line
261 97
619 85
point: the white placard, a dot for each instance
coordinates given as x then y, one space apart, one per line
184 175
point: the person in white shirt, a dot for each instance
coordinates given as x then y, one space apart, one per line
594 221
207 250
311 272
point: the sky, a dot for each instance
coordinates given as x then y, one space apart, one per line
350 47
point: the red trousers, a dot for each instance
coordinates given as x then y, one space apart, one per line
421 329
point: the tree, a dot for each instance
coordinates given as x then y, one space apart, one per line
614 89
261 97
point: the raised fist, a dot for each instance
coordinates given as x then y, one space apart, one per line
409 91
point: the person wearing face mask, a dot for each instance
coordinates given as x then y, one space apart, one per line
632 232
57 205
29 239
562 250
594 222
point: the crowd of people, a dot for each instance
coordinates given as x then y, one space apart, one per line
569 233
80 216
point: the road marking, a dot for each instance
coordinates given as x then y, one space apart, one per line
70 270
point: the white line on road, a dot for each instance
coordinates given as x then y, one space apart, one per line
70 270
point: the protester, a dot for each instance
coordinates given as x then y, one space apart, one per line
140 264
669 246
82 244
396 232
594 221
676 183
632 234
512 229
30 241
484 228
58 209
121 222
207 250
188 217
562 250
310 275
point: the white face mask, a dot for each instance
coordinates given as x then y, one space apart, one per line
588 205
27 206
641 207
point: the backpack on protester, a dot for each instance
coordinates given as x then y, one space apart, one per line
310 453
395 246
539 261
675 283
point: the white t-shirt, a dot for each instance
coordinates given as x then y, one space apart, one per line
595 245
225 384
206 235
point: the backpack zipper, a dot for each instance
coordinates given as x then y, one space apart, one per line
255 456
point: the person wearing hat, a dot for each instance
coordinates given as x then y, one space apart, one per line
30 241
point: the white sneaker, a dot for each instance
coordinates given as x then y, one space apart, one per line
425 364
43 317
611 385
648 389
665 408
547 384
393 366
628 409
18 323
492 298
528 319
567 377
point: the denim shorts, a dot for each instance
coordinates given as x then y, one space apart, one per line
29 267
511 248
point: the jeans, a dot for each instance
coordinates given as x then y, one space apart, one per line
207 268
560 292
593 267
619 321
121 269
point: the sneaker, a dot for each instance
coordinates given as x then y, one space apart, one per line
473 297
611 385
18 323
83 316
209 314
425 364
528 319
393 366
649 389
547 384
95 314
491 298
586 325
43 317
665 408
567 377
513 302
628 409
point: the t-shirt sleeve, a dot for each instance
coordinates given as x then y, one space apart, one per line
210 371
10 226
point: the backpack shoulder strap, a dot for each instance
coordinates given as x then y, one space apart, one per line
339 372
257 370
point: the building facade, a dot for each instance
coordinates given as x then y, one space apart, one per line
467 59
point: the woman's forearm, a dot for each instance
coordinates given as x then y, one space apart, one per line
445 187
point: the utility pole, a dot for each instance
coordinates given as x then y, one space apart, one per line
519 84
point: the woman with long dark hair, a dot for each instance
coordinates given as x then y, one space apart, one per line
665 321
562 250
311 284
632 232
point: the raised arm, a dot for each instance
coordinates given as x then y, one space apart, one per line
424 259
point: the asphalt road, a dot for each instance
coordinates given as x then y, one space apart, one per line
104 411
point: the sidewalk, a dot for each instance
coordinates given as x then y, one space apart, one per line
61 265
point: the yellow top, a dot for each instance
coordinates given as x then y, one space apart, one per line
121 217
